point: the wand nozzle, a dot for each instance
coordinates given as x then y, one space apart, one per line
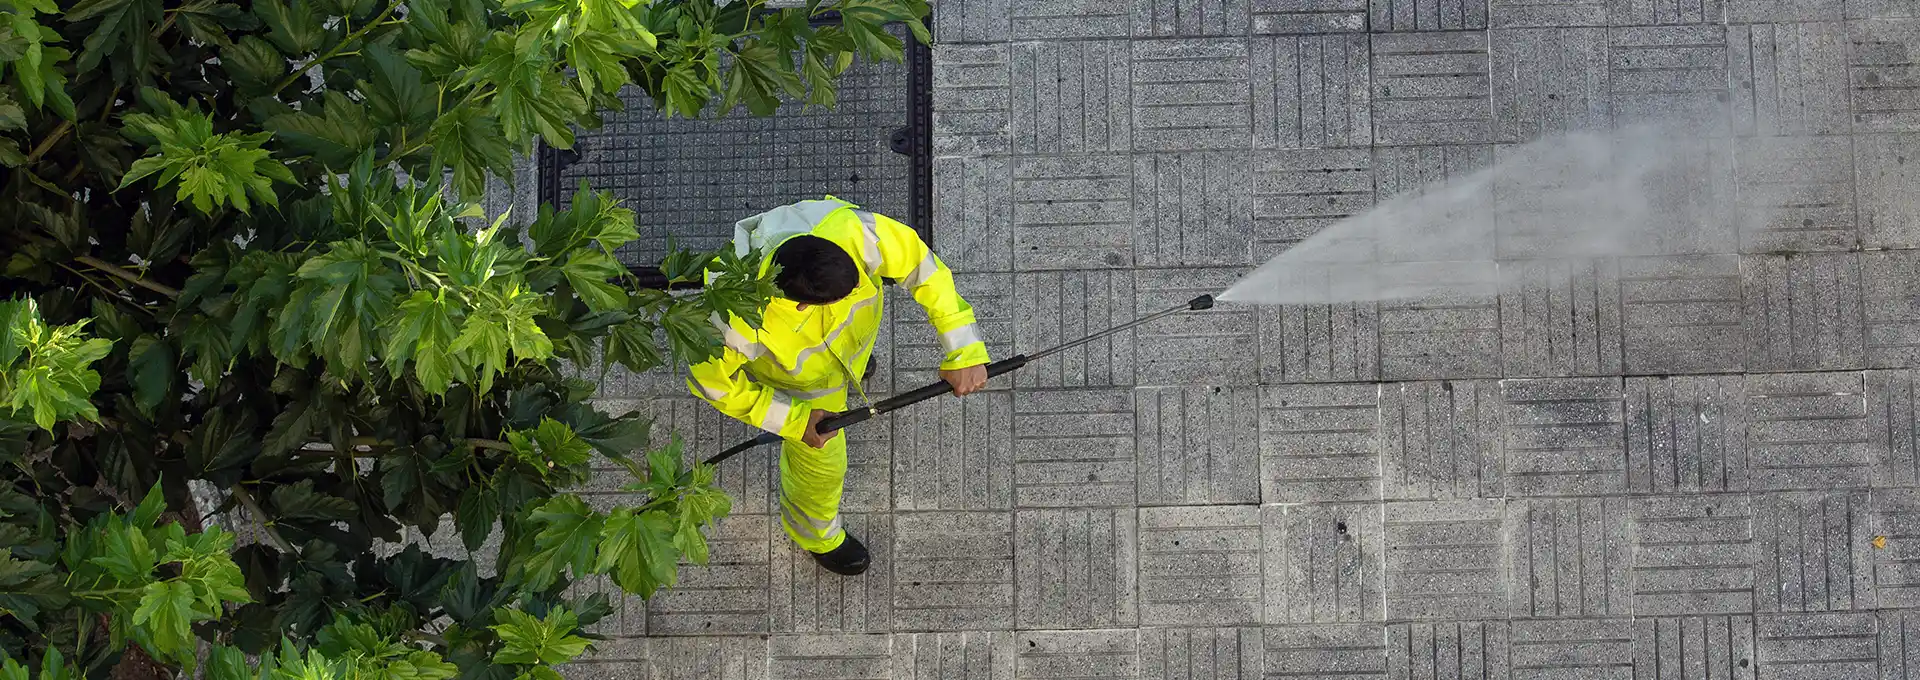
1199 303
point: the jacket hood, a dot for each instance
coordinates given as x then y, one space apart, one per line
767 230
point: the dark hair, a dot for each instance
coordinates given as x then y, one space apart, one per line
814 271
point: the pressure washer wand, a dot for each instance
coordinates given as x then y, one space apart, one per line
1001 367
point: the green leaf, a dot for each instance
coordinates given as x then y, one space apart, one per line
28 588
479 508
300 501
209 21
637 549
472 144
227 663
690 333
396 95
424 329
334 138
150 368
569 532
560 445
631 344
166 609
293 27
253 64
587 271
121 22
527 640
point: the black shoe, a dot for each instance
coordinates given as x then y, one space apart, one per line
850 559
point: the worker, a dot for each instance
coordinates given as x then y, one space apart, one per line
813 346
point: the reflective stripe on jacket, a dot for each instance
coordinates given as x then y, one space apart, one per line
766 377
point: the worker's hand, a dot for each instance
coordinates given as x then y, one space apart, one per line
967 380
812 437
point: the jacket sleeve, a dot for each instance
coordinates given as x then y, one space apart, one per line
723 382
907 258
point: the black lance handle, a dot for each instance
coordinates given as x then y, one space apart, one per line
995 369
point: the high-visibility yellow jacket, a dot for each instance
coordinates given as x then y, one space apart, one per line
766 377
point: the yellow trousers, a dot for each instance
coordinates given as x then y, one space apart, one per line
811 482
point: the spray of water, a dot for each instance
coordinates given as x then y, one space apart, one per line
1646 190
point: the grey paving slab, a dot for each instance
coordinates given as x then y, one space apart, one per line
1668 73
1796 194
1686 434
1200 565
1466 650
1311 91
1899 657
1197 348
1201 653
1058 19
1326 651
1803 312
1441 440
1564 437
716 658
1404 172
1753 11
1191 94
972 21
971 202
805 598
1309 16
1320 443
1060 655
1058 307
729 596
629 617
1192 209
1072 97
1446 559
1560 317
1896 579
1887 218
1189 18
1587 648
979 655
853 657
1878 59
1714 647
1322 564
1073 448
1075 568
1692 554
1571 558
1816 551
1809 431
1682 314
1296 193
972 99
1667 12
1427 15
1789 77
953 571
1892 416
1320 343
1072 212
1197 445
1837 646
954 456
1549 80
1431 88
1550 13
1443 336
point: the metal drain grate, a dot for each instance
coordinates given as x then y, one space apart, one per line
689 180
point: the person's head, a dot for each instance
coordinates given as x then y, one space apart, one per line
814 271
